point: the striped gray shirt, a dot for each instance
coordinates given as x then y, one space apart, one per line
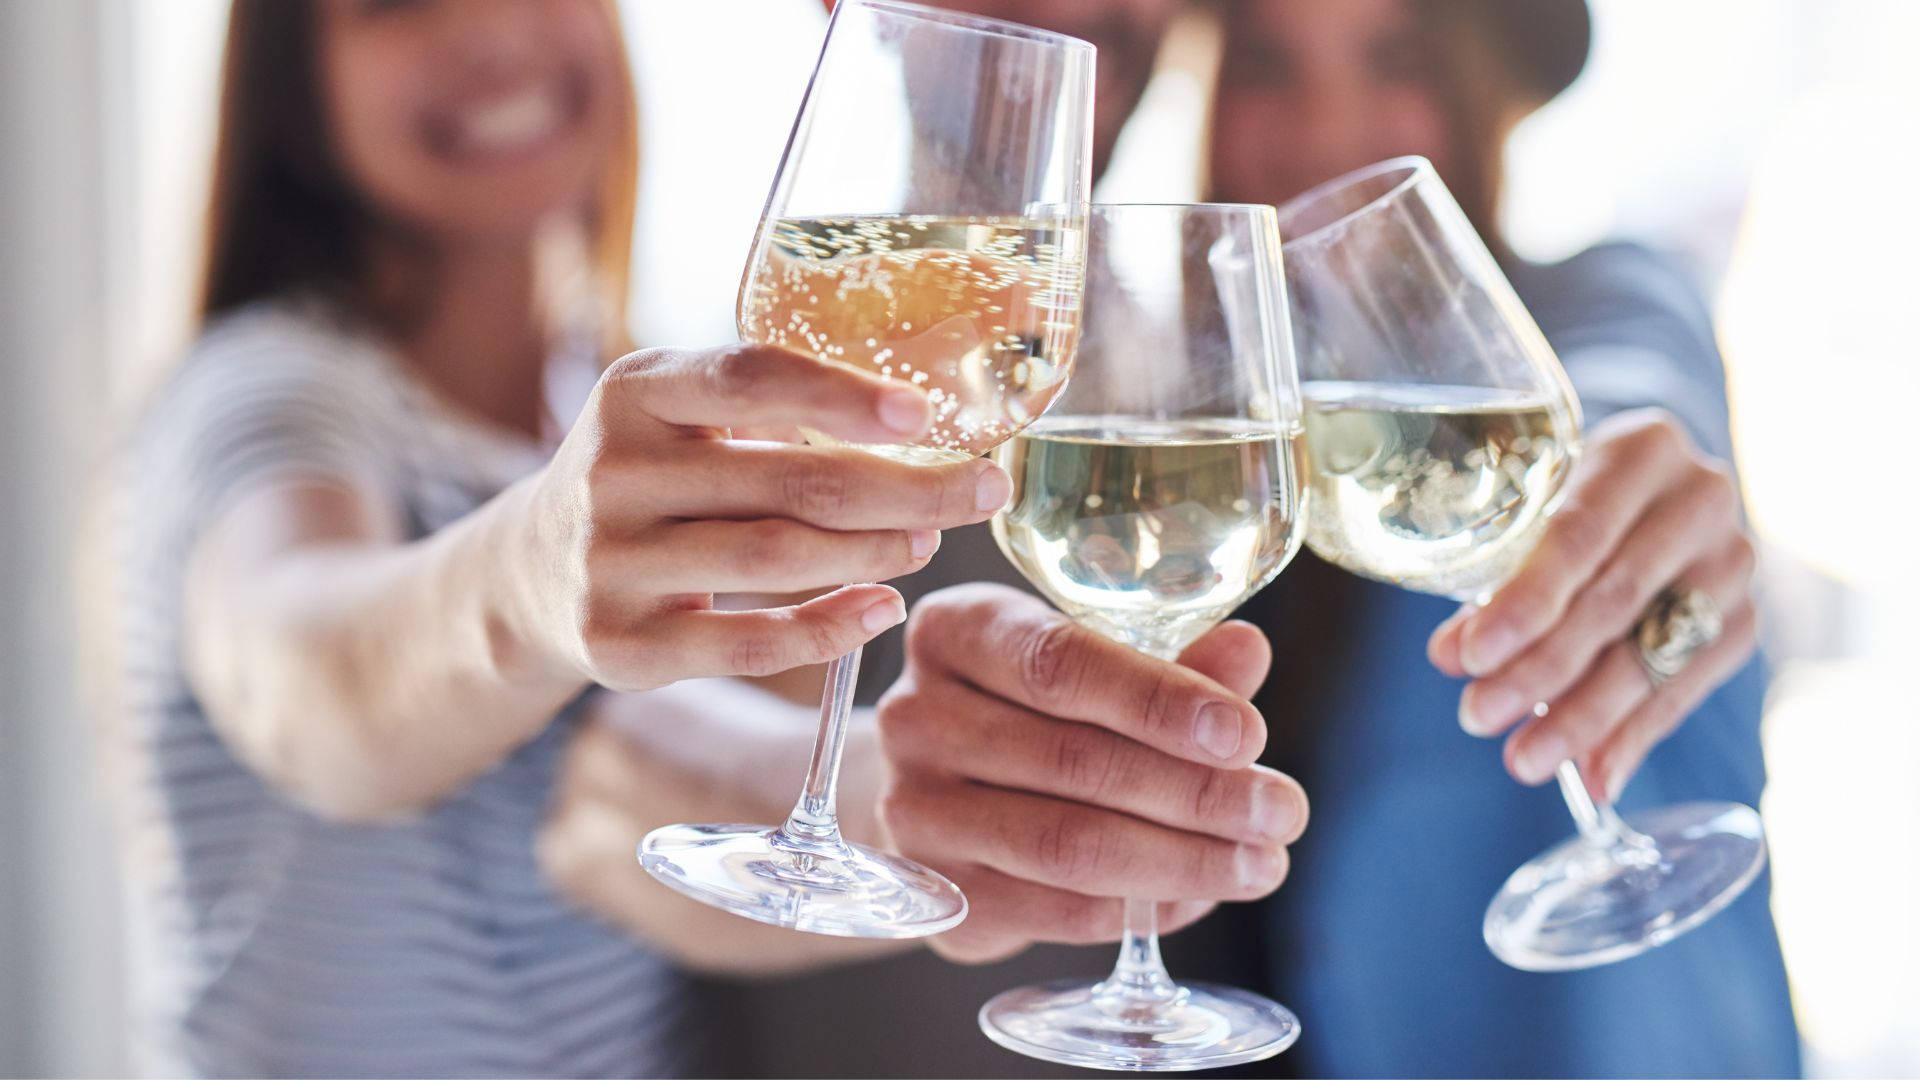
280 944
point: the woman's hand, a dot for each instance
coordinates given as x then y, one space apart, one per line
366 675
648 509
1049 771
1644 509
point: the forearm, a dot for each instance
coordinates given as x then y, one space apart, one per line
367 679
707 750
1633 331
1615 378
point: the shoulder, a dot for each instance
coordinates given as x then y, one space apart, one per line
275 362
273 385
282 341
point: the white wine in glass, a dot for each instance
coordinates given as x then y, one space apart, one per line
1163 489
1441 431
1150 531
928 225
1436 488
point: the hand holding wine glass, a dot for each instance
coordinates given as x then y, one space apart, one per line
1444 435
1644 506
926 226
1050 770
644 513
1161 492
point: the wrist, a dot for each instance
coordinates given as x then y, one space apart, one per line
519 616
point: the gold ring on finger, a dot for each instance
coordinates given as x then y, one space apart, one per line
1679 623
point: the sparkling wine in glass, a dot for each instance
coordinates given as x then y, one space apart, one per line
927 224
1162 490
981 312
1441 430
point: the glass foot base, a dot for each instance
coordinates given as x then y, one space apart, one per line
1202 1027
823 887
1579 905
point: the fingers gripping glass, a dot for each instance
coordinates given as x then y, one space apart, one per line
927 224
1161 491
1441 431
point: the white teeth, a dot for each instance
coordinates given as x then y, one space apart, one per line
517 121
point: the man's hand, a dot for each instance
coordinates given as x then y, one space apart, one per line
1050 771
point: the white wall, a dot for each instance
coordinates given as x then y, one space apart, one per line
60 1011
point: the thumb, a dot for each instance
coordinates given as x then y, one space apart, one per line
1234 654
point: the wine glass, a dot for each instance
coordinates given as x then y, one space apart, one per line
1441 429
1160 492
927 224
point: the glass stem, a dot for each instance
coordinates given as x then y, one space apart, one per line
1598 823
814 821
1139 981
1139 986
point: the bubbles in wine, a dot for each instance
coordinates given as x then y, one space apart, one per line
983 313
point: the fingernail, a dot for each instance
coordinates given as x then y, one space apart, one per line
1483 711
1271 816
1486 649
992 491
1217 729
1539 757
888 612
1257 866
923 542
904 410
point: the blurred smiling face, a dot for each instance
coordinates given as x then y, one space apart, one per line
1311 89
470 117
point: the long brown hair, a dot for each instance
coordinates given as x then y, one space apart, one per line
282 215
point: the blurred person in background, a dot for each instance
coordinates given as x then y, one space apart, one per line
394 533
1376 942
1379 938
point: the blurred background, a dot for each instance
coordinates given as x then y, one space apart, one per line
1768 141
